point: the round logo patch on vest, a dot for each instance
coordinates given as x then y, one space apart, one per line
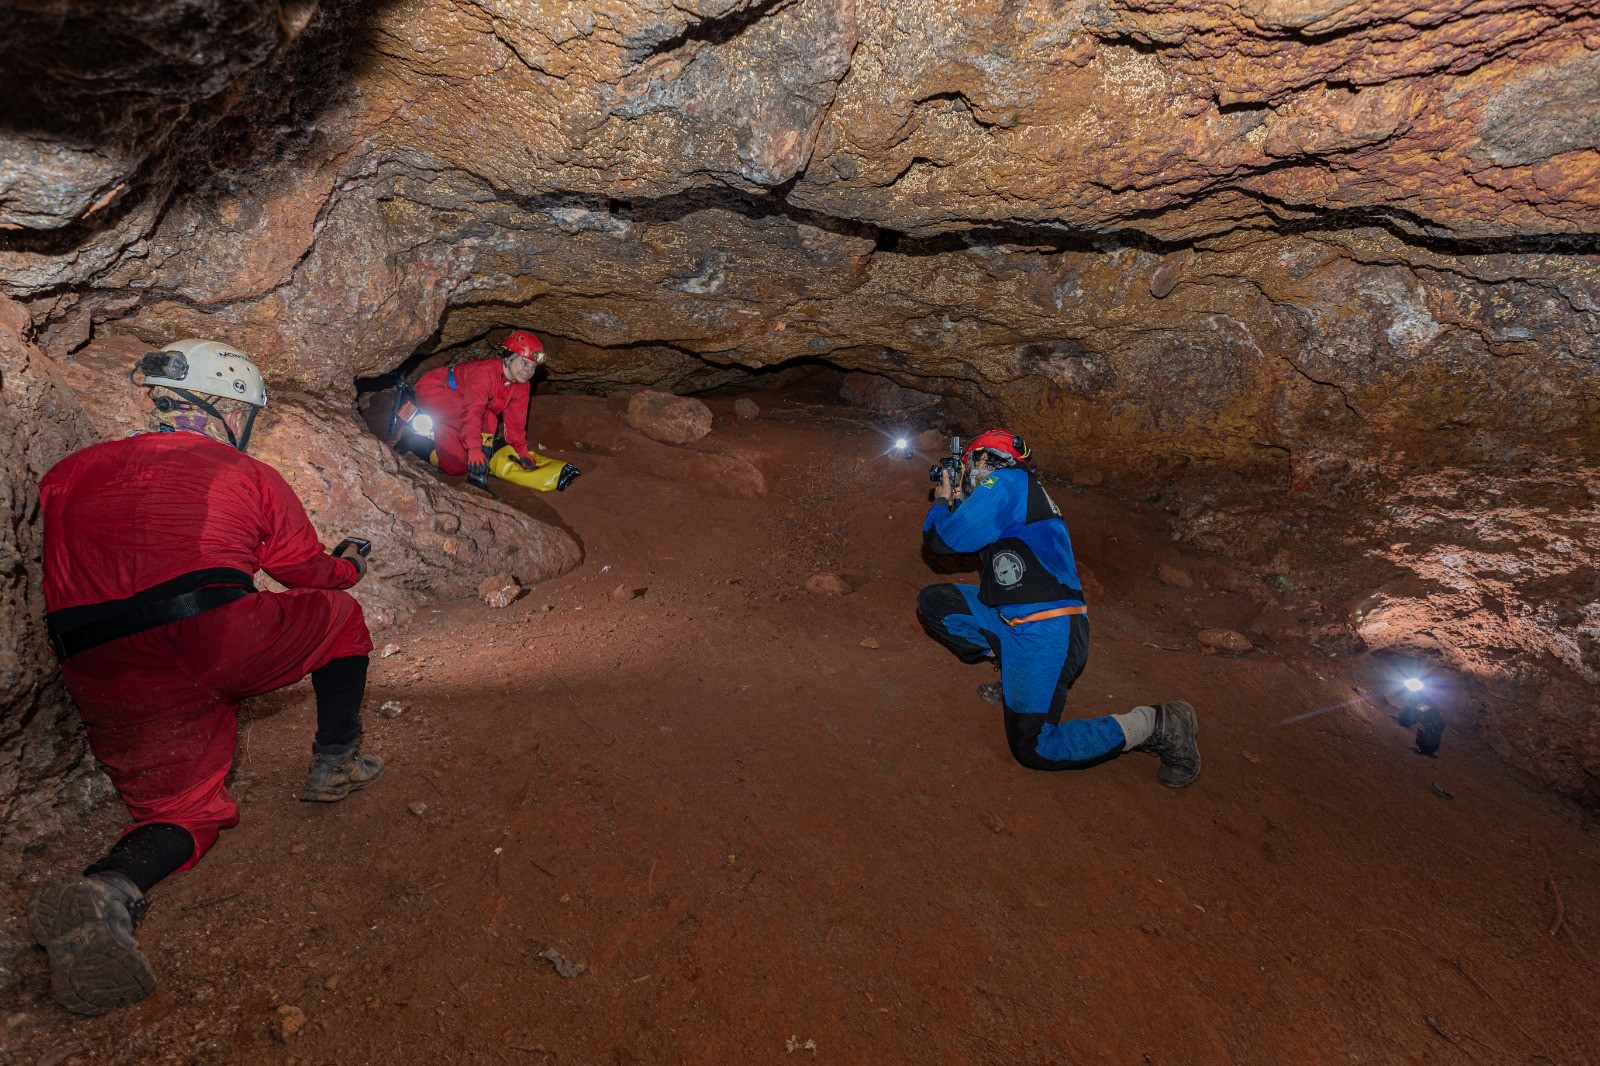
1009 568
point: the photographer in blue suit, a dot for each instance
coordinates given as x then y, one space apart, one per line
1028 615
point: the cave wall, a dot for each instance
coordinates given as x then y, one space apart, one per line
1304 256
42 764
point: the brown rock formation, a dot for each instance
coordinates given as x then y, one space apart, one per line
1298 254
40 740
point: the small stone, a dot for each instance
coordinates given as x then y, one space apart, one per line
1168 574
869 643
1088 478
296 849
392 709
824 583
332 982
17 1020
1164 280
746 408
1224 640
419 808
388 650
498 591
564 966
290 1021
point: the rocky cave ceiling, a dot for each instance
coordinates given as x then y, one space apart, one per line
1304 254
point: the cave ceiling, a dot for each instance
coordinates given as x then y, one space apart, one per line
1204 234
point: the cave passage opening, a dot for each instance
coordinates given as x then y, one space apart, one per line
900 413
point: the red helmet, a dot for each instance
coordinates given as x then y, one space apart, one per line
521 342
999 440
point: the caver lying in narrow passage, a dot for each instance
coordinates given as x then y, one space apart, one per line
1029 616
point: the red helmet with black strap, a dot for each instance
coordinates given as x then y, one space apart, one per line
999 440
523 343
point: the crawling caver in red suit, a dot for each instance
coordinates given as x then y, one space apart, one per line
466 401
151 546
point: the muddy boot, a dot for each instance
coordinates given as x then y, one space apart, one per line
333 777
993 692
1174 741
85 925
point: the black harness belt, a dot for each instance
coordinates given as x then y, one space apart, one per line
75 629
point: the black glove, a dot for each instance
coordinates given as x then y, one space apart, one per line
347 550
526 463
477 468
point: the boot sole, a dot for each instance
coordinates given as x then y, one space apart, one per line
1194 731
335 793
92 971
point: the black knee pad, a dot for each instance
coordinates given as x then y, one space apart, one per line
938 602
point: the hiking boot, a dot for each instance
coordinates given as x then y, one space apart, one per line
333 777
1173 740
993 692
85 925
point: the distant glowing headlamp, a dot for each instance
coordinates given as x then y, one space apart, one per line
422 426
901 444
1413 685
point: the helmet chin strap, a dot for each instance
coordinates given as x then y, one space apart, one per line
242 441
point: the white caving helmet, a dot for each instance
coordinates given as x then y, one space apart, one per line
209 367
195 369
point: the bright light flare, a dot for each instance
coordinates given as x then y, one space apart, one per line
901 443
1413 685
422 425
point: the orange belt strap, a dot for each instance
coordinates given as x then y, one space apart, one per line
1055 612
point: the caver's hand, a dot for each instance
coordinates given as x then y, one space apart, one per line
348 551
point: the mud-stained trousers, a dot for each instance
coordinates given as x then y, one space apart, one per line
160 707
1039 662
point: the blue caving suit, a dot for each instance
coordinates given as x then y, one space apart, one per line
1021 540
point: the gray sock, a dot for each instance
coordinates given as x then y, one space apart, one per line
1137 725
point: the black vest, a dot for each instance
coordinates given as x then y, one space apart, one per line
1012 573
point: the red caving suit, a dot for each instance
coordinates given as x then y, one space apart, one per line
159 706
462 414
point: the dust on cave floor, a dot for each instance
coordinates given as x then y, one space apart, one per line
769 842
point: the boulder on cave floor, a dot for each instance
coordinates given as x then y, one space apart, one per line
667 418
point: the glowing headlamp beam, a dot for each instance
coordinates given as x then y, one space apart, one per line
1413 685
